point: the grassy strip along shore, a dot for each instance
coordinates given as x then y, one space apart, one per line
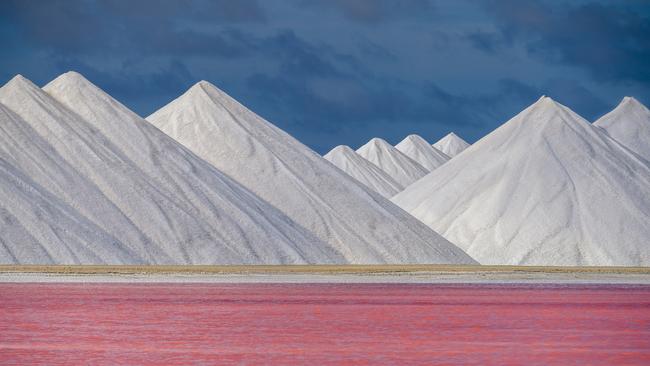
308 269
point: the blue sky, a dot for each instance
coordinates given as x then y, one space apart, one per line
341 72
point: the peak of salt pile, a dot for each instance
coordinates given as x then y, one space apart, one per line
362 225
545 188
364 171
418 149
629 124
392 161
157 199
451 145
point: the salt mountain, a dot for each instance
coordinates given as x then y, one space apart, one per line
451 145
130 193
392 161
37 227
545 188
629 124
367 173
359 223
418 149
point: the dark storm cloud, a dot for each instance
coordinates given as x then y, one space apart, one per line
240 11
486 41
342 71
611 41
187 43
298 57
367 107
53 14
372 49
476 109
375 11
143 26
65 25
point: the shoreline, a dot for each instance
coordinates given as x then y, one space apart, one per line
417 274
316 268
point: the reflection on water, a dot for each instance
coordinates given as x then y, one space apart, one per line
63 324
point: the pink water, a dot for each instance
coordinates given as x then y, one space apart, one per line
316 324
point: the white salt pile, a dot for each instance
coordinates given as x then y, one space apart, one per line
363 226
418 149
451 145
364 171
545 188
398 166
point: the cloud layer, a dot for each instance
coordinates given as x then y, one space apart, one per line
342 71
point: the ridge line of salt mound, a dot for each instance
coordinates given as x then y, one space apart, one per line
283 239
339 210
346 159
506 201
451 144
629 124
396 164
418 149
182 206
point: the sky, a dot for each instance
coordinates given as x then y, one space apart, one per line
334 72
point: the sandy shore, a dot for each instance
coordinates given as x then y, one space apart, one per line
328 274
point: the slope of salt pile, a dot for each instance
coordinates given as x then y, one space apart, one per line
362 225
154 196
418 149
629 124
362 170
23 148
451 145
545 188
392 161
37 228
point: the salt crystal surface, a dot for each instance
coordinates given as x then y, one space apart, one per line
545 188
629 124
159 202
451 145
418 149
399 166
364 171
359 223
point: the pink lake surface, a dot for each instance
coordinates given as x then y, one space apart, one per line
316 324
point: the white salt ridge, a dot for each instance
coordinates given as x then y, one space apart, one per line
418 149
160 203
364 171
629 124
400 167
545 188
451 145
362 225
